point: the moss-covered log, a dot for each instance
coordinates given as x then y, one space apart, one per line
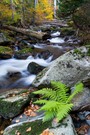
28 32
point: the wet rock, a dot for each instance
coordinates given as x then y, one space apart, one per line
65 128
23 53
22 118
34 68
7 81
50 50
5 56
45 54
70 68
12 102
82 101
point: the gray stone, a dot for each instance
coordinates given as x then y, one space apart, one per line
12 102
82 101
37 126
65 128
70 68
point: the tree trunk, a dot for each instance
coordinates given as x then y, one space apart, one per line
13 8
28 32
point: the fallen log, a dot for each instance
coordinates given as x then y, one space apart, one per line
28 32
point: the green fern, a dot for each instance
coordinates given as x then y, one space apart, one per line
56 100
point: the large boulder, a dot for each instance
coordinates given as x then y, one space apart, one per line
36 127
82 20
82 16
82 101
12 102
70 68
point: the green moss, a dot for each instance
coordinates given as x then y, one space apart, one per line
67 31
70 23
78 52
5 50
88 53
40 75
10 109
23 91
37 128
14 105
25 50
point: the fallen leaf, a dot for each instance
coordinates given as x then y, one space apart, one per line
88 117
1 132
83 129
33 114
17 132
17 121
20 116
47 132
28 130
31 110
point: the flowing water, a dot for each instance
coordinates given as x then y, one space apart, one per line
14 72
12 67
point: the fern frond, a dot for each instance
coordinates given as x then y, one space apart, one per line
61 91
58 104
63 112
50 106
78 89
41 101
47 93
48 116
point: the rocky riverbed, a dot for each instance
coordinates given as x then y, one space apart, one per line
27 64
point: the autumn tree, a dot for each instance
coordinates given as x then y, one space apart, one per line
44 10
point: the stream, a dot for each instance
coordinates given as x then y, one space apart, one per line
14 72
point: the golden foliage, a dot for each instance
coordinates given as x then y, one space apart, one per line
44 10
30 14
6 14
5 11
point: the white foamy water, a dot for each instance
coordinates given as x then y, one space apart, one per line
14 66
56 34
56 40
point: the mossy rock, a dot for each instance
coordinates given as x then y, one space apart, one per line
67 31
13 102
25 50
23 53
82 17
37 128
5 50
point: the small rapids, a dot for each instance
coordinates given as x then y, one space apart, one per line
12 67
14 72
